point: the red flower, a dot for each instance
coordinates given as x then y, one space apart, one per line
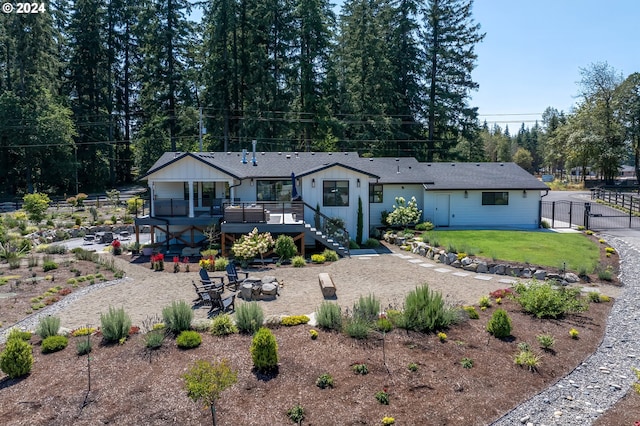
185 260
176 259
115 243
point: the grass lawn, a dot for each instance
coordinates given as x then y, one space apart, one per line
538 248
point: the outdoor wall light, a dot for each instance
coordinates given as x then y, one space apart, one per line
251 181
313 183
524 193
466 194
358 183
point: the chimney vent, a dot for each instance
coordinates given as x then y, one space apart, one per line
244 156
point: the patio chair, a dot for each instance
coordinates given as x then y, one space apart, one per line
208 282
232 276
220 305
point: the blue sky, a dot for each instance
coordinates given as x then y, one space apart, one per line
533 51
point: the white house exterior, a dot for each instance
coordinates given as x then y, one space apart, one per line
190 191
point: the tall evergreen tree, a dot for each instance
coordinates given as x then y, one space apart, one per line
450 36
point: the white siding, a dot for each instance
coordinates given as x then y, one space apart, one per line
188 168
173 190
389 194
313 195
522 212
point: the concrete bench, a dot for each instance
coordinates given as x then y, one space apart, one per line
326 285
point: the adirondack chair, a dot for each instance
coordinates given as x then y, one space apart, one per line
208 282
220 305
232 276
203 294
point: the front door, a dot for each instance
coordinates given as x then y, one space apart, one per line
442 210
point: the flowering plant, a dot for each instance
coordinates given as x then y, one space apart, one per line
157 262
574 333
386 420
209 263
176 264
252 244
185 260
383 397
404 213
117 248
442 336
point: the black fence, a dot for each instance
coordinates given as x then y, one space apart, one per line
612 211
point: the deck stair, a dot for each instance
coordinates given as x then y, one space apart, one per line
327 241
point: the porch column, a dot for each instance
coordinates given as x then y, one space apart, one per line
191 198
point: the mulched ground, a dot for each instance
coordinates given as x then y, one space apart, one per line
130 385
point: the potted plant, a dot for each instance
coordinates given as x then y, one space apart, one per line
147 249
135 247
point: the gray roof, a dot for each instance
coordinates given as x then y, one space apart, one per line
386 170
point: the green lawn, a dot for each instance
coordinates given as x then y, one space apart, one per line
538 248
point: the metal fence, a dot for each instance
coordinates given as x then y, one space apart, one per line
613 211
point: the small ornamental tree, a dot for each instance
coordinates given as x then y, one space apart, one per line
404 213
285 247
36 205
205 382
251 245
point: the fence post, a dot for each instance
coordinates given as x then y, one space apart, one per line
587 210
553 214
570 209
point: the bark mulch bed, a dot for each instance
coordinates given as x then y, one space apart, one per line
130 385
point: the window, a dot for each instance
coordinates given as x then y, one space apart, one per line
274 190
375 193
335 193
495 198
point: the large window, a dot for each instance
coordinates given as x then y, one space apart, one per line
495 198
274 190
335 193
375 193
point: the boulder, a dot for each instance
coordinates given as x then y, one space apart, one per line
456 264
526 273
466 261
540 274
482 268
451 257
500 269
512 271
473 267
570 277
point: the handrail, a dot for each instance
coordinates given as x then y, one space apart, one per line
326 229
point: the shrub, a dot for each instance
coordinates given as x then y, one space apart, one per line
605 274
383 325
223 326
485 302
296 414
527 359
221 264
115 325
574 333
442 337
545 340
318 258
83 347
386 421
49 265
324 381
313 334
371 243
294 320
329 316
500 324
593 296
413 367
361 369
610 250
188 339
83 331
285 247
264 350
16 359
382 397
48 326
54 344
501 293
466 362
330 255
424 226
367 308
471 311
425 311
177 317
249 317
543 301
16 333
298 262
356 328
154 339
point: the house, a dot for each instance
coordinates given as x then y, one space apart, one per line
316 195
